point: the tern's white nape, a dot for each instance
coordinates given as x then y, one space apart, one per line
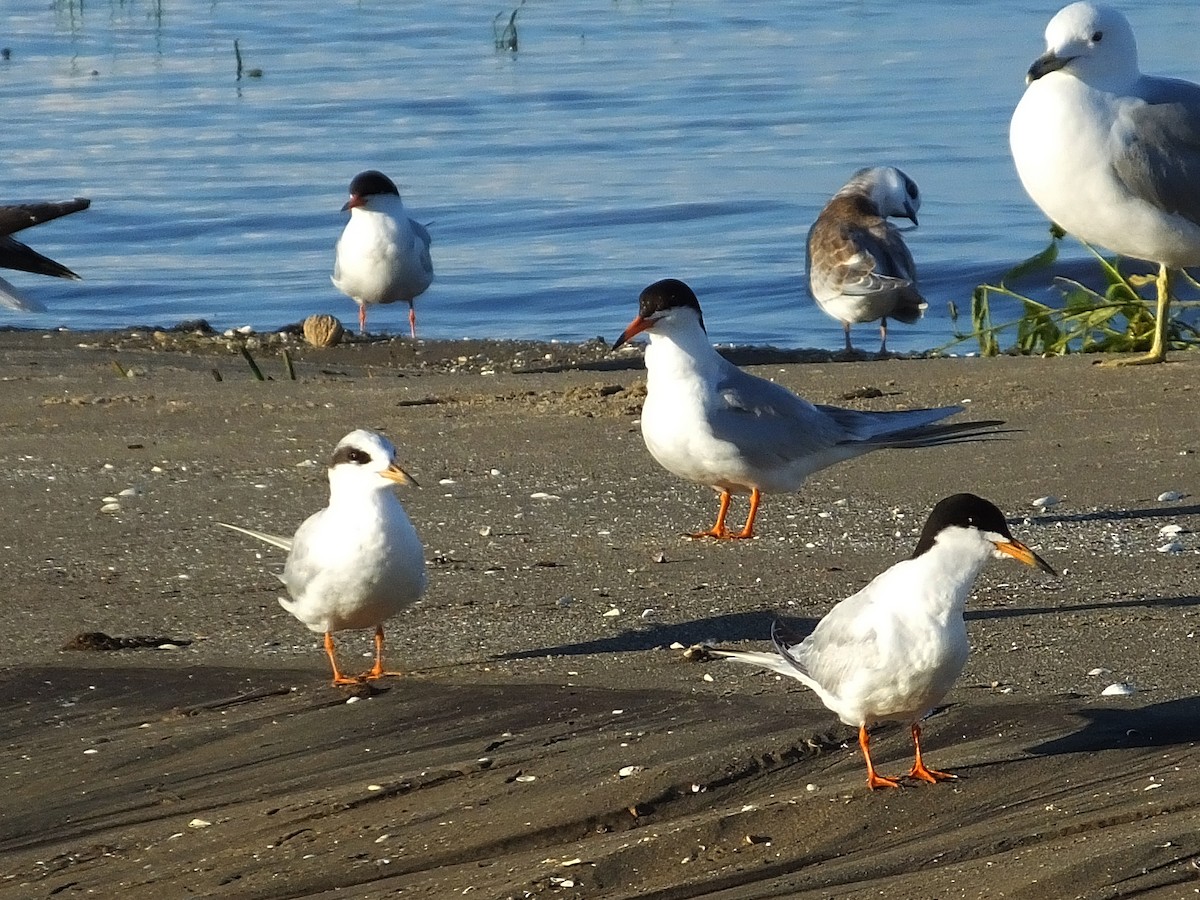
892 651
1110 155
358 561
15 255
707 421
382 255
859 268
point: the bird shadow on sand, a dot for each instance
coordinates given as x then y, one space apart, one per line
1114 515
1163 724
1182 601
747 626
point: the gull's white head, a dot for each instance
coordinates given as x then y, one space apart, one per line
365 461
892 192
1092 42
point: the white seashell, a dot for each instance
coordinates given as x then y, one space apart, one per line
374 787
626 771
1047 502
130 492
612 612
1120 689
91 751
1172 547
525 779
707 677
245 329
199 823
677 646
1172 530
1170 496
542 495
111 507
647 613
109 500
1099 671
447 481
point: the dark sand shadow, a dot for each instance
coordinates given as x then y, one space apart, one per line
1111 515
1112 728
747 626
1140 603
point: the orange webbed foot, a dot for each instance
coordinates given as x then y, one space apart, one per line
933 776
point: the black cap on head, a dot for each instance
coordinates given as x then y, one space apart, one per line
370 182
965 511
667 294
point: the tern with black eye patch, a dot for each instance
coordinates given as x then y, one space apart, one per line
358 561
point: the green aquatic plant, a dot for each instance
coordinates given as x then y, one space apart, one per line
1117 320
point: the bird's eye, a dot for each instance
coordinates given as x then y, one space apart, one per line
358 456
1097 36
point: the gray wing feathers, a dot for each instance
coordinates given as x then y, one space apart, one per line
1161 161
275 540
422 235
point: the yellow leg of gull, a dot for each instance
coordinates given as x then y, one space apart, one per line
1158 349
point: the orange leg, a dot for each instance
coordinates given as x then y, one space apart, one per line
933 776
718 530
362 318
873 780
338 677
412 319
377 670
748 530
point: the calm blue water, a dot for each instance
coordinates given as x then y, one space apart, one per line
624 142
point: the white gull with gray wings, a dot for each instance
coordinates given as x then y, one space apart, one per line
1109 154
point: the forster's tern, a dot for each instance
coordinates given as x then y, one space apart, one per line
893 650
382 255
15 255
859 268
1109 154
706 420
358 561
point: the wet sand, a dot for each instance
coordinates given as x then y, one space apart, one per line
224 764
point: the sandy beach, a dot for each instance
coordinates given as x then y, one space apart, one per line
551 738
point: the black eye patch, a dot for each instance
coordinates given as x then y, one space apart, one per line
1097 37
350 455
